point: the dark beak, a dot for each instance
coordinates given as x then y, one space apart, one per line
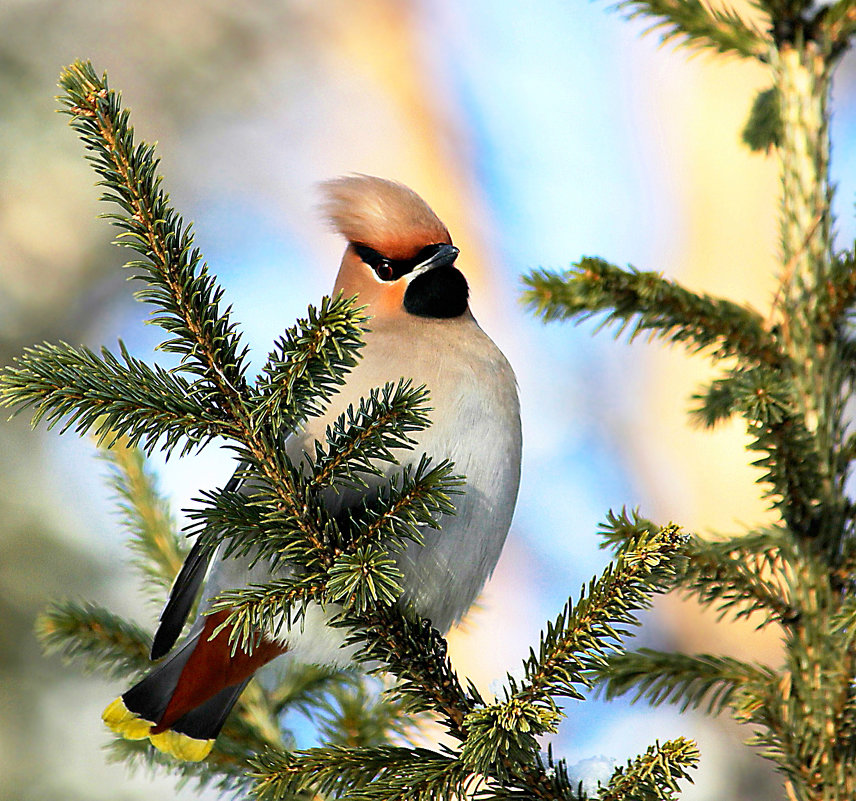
442 257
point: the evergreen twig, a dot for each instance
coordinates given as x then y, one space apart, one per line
177 282
654 775
743 575
405 774
100 640
146 515
694 24
689 681
150 406
645 301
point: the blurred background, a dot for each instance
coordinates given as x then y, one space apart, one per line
539 132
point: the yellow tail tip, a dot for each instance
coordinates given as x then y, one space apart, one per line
124 722
188 749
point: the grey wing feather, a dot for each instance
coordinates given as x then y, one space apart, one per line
185 588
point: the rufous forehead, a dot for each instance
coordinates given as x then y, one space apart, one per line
397 246
385 215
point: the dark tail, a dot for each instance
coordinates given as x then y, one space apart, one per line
184 702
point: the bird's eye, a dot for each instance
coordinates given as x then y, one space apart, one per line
383 267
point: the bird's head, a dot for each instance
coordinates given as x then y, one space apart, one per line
400 258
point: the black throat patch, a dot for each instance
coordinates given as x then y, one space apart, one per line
442 292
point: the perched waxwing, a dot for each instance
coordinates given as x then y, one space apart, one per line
400 261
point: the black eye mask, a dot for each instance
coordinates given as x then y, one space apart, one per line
392 269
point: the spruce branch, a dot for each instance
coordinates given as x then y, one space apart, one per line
693 24
839 292
222 771
254 522
645 301
695 681
738 389
286 522
654 775
577 641
352 568
147 405
358 715
308 364
286 502
313 356
502 735
843 624
546 778
304 689
364 578
790 380
178 283
363 438
413 500
146 515
416 654
792 464
380 773
266 607
744 575
101 641
622 529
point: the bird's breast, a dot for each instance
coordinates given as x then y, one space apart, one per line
475 422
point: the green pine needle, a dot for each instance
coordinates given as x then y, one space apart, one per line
358 715
697 25
746 575
654 776
766 399
647 302
365 578
705 681
185 295
146 515
503 734
577 641
380 773
101 641
501 738
622 528
267 608
414 499
363 438
309 363
417 656
147 405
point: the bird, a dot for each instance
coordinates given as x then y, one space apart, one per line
401 265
